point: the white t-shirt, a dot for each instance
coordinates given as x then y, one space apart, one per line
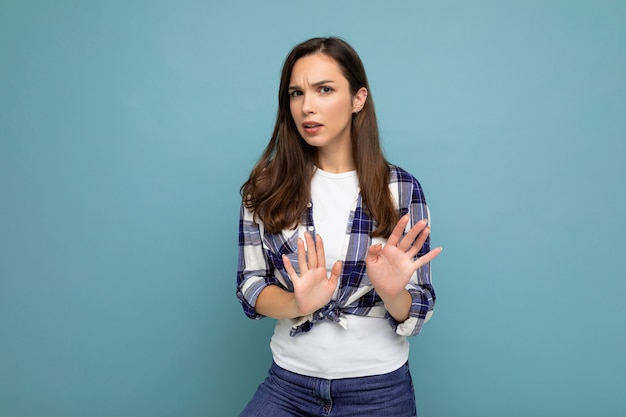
369 345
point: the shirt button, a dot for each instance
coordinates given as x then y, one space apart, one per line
309 205
311 228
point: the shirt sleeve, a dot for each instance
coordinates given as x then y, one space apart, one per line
254 272
420 286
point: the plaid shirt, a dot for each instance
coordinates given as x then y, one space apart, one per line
260 263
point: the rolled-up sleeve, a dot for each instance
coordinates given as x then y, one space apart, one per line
254 271
422 306
411 199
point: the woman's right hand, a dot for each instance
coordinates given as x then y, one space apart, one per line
313 288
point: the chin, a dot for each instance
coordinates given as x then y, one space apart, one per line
318 143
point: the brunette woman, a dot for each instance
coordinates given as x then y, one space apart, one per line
333 243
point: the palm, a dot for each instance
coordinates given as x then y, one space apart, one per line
313 288
390 267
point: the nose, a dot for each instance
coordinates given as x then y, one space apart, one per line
308 106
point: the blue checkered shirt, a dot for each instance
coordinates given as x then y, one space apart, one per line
260 263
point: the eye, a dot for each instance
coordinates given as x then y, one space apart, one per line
325 90
295 93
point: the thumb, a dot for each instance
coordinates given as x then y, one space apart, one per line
375 250
335 271
289 267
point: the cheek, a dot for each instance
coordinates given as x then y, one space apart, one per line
294 113
340 108
293 110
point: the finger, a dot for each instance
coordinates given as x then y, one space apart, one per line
311 254
321 257
301 256
396 234
289 267
415 232
419 242
375 250
374 254
335 272
423 260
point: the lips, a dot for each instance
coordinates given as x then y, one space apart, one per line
311 127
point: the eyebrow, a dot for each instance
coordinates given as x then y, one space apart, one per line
315 84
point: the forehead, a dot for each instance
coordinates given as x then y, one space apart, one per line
312 68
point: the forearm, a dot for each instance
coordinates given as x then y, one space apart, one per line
399 306
277 303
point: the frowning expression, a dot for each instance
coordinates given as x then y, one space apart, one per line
321 102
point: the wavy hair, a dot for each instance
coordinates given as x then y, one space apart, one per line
279 187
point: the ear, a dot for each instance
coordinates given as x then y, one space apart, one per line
359 99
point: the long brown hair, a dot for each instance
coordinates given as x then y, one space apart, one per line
279 187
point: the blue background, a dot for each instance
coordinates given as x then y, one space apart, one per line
127 128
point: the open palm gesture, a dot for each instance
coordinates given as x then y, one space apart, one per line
313 289
391 266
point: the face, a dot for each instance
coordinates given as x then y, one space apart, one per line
321 103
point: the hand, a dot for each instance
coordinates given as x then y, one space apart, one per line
313 289
390 267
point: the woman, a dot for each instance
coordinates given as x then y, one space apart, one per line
344 303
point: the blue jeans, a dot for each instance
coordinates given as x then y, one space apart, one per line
286 394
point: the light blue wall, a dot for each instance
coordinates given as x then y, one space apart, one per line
127 127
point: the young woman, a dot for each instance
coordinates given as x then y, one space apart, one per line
333 243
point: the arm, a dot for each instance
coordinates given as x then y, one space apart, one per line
390 267
254 272
409 307
262 294
277 303
313 288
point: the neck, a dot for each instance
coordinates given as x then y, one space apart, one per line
335 163
336 160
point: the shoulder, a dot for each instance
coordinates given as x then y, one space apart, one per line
405 188
402 177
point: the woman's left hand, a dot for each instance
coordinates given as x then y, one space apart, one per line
390 267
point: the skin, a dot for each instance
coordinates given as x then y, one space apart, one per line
321 94
320 97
